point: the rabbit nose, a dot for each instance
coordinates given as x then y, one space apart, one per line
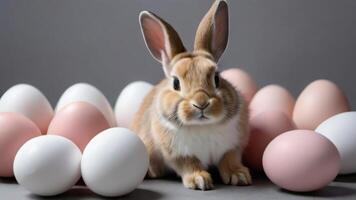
201 107
200 100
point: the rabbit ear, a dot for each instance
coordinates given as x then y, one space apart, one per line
160 37
213 30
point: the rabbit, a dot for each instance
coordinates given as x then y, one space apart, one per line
193 119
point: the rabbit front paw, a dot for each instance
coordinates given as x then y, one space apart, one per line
198 180
239 175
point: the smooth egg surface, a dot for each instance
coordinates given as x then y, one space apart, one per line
29 101
90 94
79 122
301 161
15 130
341 130
242 82
264 127
272 97
129 102
320 100
47 165
114 162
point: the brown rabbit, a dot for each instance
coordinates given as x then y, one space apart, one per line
193 118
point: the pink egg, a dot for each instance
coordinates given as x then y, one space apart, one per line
272 97
301 161
264 127
320 100
242 82
15 130
79 122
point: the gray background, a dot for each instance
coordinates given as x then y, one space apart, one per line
54 44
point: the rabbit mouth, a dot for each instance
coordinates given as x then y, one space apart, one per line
202 117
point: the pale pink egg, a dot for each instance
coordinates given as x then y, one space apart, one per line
15 130
301 161
79 122
264 127
320 100
272 97
242 82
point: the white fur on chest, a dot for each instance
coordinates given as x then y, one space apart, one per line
206 142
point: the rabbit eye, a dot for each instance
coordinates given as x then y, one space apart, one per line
217 79
176 84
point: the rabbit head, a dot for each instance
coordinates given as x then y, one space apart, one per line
193 92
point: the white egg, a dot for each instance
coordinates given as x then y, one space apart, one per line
90 94
129 102
114 162
340 130
29 101
47 165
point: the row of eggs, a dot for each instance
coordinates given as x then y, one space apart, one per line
48 151
300 144
273 112
113 163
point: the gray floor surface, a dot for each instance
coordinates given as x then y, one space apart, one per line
343 187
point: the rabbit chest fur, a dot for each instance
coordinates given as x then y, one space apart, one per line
207 142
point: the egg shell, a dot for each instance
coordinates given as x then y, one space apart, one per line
29 101
272 97
320 100
242 82
47 165
87 93
264 127
79 122
341 130
15 130
129 102
114 162
301 161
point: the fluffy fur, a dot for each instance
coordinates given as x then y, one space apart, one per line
201 123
